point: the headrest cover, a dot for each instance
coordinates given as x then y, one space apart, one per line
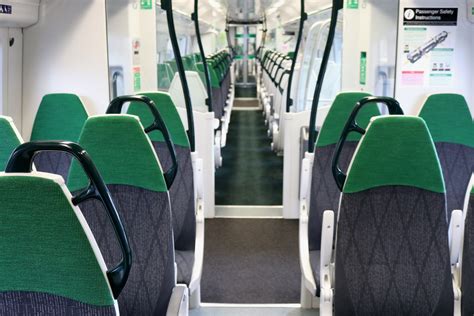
338 115
449 119
122 153
169 113
44 245
10 139
395 151
60 117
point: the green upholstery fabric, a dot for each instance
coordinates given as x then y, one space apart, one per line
338 115
449 119
170 115
390 142
9 141
105 135
60 117
44 247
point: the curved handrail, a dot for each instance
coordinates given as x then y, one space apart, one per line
115 107
21 161
352 126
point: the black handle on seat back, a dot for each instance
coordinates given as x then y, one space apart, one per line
21 161
115 107
352 126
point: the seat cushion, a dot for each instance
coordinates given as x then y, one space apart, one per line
185 263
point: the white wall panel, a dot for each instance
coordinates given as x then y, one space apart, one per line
66 51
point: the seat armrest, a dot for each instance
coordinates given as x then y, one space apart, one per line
178 305
456 232
456 227
198 248
306 175
305 263
327 237
198 175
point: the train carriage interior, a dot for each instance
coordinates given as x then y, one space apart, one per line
236 157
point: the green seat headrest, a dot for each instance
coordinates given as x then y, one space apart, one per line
169 113
449 119
60 117
338 115
122 153
395 151
45 244
10 139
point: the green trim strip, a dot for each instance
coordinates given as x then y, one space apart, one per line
121 152
44 247
449 119
9 141
396 150
170 115
60 116
338 115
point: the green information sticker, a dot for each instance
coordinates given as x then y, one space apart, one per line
137 79
352 4
363 68
146 4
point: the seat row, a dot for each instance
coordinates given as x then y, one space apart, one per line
275 70
138 166
385 220
222 90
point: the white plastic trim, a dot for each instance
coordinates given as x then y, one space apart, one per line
198 248
179 305
307 273
327 235
456 228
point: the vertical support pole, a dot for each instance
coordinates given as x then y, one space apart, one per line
336 6
167 5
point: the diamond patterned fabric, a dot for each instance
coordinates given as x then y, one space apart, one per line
53 162
181 195
457 162
147 220
467 287
185 263
324 191
392 255
34 303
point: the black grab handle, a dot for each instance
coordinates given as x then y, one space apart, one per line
115 107
352 126
21 161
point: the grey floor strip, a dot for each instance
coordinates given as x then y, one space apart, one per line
248 211
206 310
251 261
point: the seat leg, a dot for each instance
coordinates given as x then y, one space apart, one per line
306 296
195 298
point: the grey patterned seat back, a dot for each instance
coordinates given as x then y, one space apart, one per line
450 122
182 190
60 116
129 166
324 191
392 254
467 280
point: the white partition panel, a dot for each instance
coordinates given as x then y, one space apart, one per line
66 51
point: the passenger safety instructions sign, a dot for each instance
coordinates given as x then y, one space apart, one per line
428 39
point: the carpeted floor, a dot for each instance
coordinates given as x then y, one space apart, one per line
251 261
252 173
